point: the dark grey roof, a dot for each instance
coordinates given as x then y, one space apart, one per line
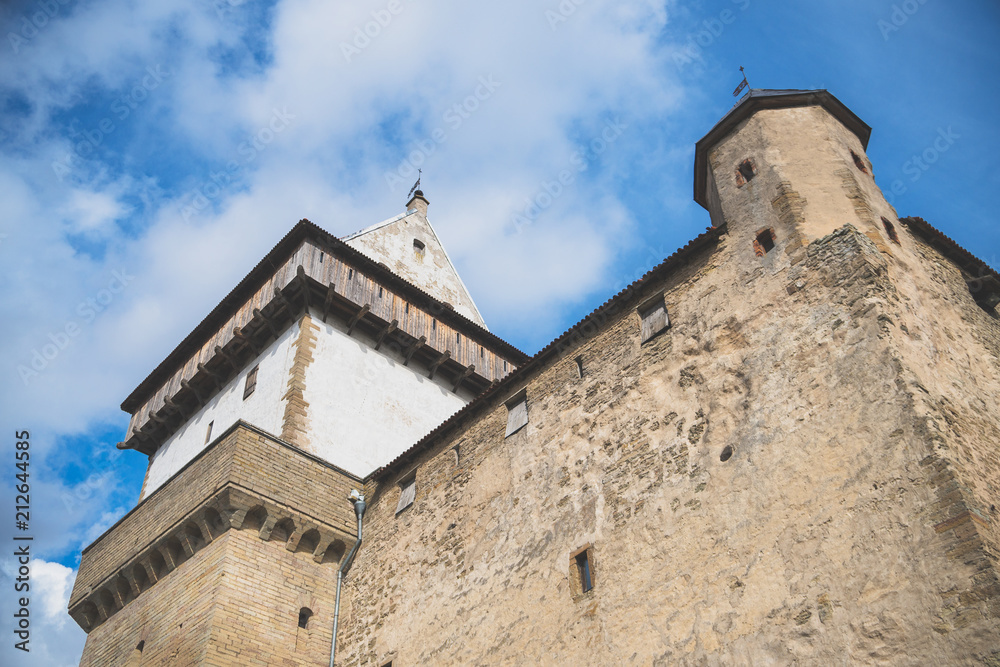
763 98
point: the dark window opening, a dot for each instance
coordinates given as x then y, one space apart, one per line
380 292
321 256
890 229
434 325
858 162
579 367
350 274
746 172
764 243
251 382
136 658
583 568
418 248
727 453
406 309
304 615
208 432
458 337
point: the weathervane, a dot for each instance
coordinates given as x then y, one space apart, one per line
416 186
742 85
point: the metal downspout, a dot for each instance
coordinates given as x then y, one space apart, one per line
358 499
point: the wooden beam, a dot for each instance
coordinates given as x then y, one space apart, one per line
414 346
300 273
280 296
197 394
331 292
357 318
388 329
215 378
246 340
176 407
470 369
225 355
270 325
437 362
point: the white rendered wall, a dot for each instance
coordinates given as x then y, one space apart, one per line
264 409
365 407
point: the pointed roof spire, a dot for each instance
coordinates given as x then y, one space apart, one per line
409 247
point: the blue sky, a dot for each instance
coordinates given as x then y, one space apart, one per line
152 152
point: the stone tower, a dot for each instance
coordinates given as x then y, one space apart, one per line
326 362
777 446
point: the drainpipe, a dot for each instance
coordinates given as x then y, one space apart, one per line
358 499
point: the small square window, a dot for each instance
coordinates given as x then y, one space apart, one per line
517 412
745 172
653 316
407 492
764 243
251 383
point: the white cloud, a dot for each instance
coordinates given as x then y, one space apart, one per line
92 212
55 639
129 207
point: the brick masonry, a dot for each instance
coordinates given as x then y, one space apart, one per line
244 480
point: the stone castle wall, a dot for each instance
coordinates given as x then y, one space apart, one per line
825 537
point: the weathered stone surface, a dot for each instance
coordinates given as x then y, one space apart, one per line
803 468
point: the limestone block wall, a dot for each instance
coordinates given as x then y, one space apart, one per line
246 481
757 484
950 349
236 603
806 181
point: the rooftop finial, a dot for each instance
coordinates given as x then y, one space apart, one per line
416 186
743 84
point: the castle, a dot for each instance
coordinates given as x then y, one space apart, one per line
780 445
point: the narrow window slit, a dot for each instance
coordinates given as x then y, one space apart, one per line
858 162
583 565
890 229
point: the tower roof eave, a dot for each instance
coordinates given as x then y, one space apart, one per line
753 102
